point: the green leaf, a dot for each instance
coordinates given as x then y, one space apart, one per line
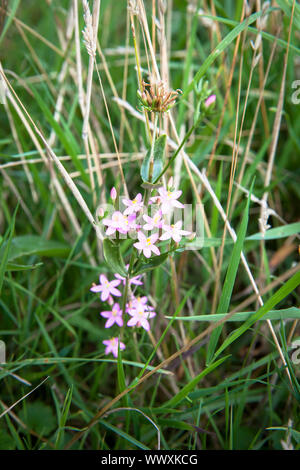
38 417
285 290
229 279
178 310
277 232
151 264
191 385
220 48
22 267
26 245
13 9
5 248
113 256
64 417
6 441
282 314
123 434
158 160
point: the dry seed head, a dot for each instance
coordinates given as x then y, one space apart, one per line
156 98
133 7
88 32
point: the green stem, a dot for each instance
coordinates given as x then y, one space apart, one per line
148 191
126 288
178 150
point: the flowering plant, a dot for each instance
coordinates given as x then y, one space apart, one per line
147 220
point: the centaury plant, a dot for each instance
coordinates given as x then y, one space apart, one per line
149 220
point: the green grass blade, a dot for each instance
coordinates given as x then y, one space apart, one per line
229 279
220 48
282 314
279 295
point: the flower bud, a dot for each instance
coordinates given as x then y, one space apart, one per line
209 101
113 193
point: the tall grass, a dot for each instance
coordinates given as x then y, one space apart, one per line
219 368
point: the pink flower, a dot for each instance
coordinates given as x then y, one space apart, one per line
168 199
209 101
112 346
119 222
147 244
134 205
140 313
107 288
174 231
134 280
154 222
113 316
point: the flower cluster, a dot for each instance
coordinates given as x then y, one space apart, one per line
135 219
137 308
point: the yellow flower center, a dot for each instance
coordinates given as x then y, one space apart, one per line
148 241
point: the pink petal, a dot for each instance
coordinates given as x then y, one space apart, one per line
115 292
96 288
178 204
147 252
165 236
138 245
103 279
104 295
132 321
145 324
105 314
155 250
176 194
119 321
154 237
110 322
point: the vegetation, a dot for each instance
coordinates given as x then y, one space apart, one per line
180 102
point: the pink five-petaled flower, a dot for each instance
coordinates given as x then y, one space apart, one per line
168 199
113 316
112 346
119 222
174 231
140 316
107 288
134 280
153 222
134 205
147 244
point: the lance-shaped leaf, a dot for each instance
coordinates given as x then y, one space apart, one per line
152 263
113 257
158 160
